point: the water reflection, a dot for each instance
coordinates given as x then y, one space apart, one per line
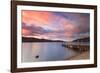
45 51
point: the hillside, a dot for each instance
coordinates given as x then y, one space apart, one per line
86 39
26 39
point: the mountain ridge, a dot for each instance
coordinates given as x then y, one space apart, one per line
28 39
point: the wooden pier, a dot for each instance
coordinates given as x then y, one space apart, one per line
78 47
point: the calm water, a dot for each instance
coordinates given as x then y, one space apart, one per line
45 51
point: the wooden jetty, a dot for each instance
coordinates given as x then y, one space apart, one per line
77 47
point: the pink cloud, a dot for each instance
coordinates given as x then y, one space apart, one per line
36 18
25 32
54 26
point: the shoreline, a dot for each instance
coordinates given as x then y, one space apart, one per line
83 55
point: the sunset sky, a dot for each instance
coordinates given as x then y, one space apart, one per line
65 26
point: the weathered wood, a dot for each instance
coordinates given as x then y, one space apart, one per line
78 48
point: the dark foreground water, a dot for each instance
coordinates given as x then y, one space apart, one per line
45 51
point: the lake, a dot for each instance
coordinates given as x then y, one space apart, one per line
45 51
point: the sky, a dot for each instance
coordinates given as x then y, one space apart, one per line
66 26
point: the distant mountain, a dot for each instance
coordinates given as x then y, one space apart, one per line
86 39
28 39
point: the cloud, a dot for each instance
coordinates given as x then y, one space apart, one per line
36 17
31 29
55 25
